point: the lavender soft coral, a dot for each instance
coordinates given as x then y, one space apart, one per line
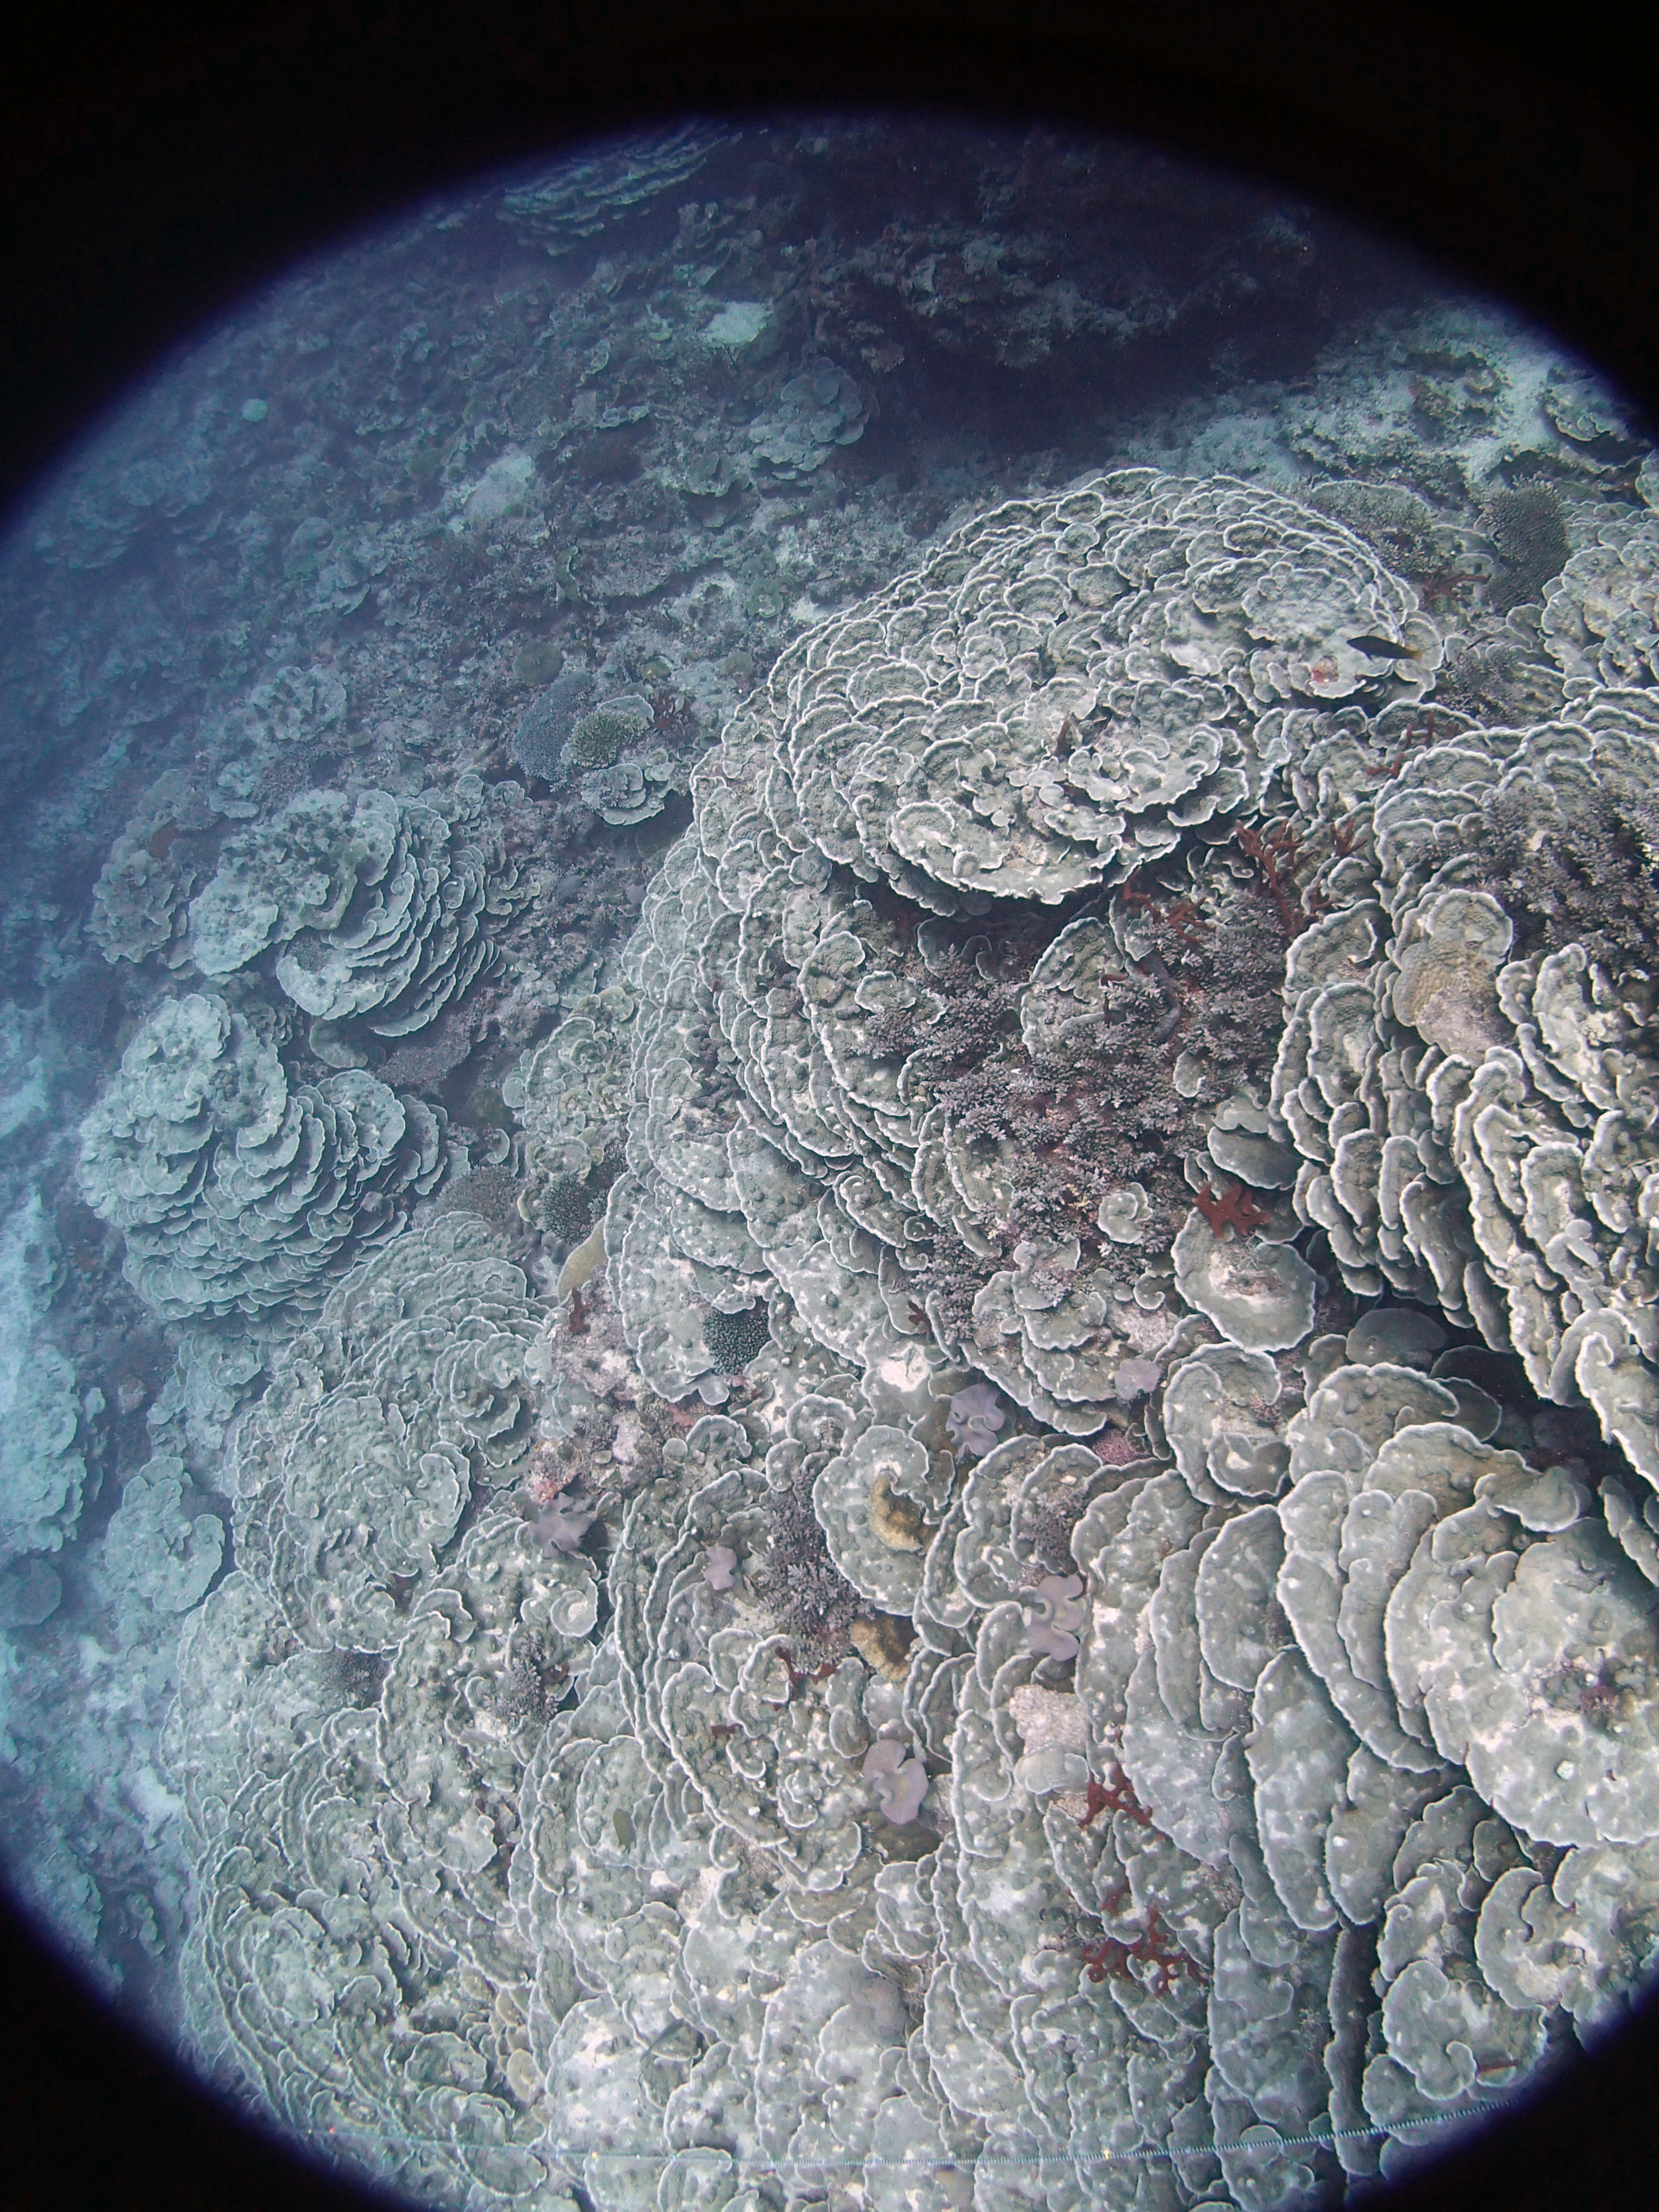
563 1522
975 1416
899 1781
1060 1620
721 1567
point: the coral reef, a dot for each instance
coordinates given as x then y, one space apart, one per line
140 903
851 1606
583 198
346 1687
998 1536
162 1558
951 1143
814 413
1069 685
628 754
43 1419
1599 622
570 1095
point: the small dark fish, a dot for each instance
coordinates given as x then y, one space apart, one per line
1383 649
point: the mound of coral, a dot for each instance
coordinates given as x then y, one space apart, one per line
1068 686
359 1700
1053 1624
1467 1070
378 906
233 1187
896 1051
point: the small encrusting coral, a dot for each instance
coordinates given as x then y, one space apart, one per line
600 734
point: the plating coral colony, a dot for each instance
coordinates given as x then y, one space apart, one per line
829 1344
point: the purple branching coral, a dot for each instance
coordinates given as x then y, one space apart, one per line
1135 1378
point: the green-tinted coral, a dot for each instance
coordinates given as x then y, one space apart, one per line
600 735
536 664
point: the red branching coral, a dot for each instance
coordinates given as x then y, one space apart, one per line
1119 1797
1233 1209
1157 1951
1275 853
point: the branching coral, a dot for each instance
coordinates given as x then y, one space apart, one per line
735 1338
1590 875
800 1581
1526 525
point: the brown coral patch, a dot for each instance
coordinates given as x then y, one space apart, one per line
884 1644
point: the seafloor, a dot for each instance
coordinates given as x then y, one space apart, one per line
829 1142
